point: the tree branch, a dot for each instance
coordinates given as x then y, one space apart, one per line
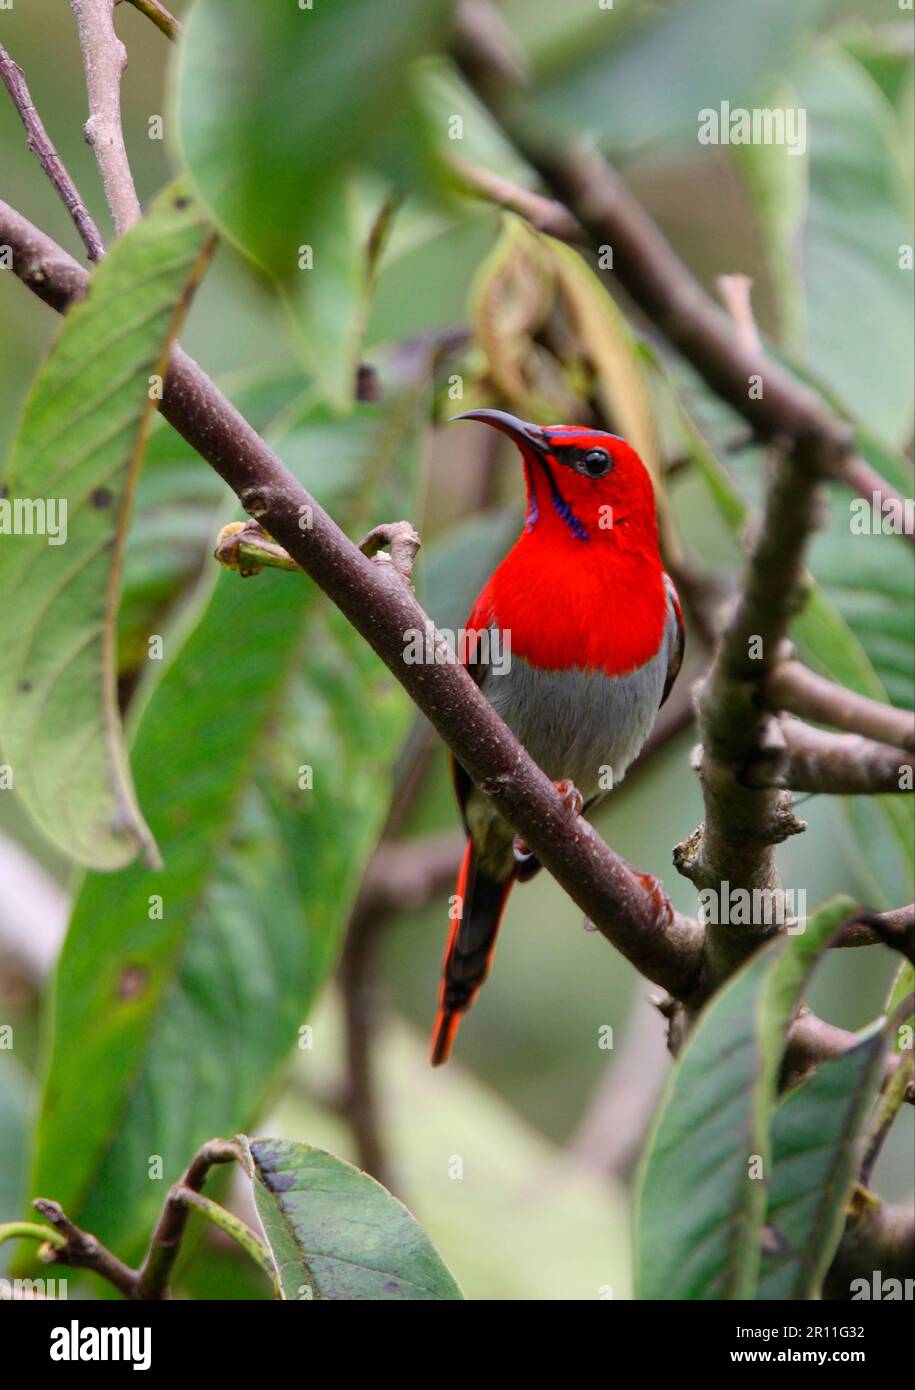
152 1278
792 686
68 1245
839 764
634 915
592 206
878 1243
82 1251
41 146
104 59
869 928
743 822
160 16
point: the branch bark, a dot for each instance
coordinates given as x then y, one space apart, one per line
793 687
40 144
743 822
104 59
840 764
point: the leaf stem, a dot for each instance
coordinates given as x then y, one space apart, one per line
31 1230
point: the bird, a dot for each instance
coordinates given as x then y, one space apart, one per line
589 631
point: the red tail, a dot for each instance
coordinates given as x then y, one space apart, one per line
469 950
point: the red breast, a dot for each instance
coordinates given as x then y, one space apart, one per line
583 587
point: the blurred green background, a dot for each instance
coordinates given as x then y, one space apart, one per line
545 1122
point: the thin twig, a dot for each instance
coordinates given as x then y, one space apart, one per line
67 1244
792 686
890 1104
838 764
226 1221
160 16
41 146
82 1251
165 1245
104 59
870 928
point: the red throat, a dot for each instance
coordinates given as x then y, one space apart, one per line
583 587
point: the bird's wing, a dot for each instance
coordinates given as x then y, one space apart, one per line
675 618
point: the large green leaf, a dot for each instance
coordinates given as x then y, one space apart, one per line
185 988
277 107
859 296
80 444
701 1202
274 100
176 511
336 1233
816 1140
650 88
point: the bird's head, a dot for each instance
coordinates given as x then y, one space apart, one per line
582 484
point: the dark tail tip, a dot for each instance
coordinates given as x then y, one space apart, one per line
444 1033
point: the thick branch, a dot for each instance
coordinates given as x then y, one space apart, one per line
743 822
879 1243
633 915
104 59
40 145
793 687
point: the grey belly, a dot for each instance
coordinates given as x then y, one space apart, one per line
582 725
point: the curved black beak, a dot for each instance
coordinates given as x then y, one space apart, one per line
518 430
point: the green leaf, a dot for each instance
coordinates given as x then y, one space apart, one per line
274 100
856 224
328 299
700 1213
816 1139
708 51
902 986
177 509
337 1233
186 988
81 444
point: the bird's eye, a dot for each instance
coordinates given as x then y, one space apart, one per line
596 462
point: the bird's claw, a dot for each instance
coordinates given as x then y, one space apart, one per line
572 798
574 803
520 850
655 890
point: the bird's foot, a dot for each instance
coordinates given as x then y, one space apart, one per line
572 798
655 890
574 803
520 850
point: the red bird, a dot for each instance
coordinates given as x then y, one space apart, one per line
595 635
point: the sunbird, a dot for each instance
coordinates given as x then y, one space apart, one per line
594 632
